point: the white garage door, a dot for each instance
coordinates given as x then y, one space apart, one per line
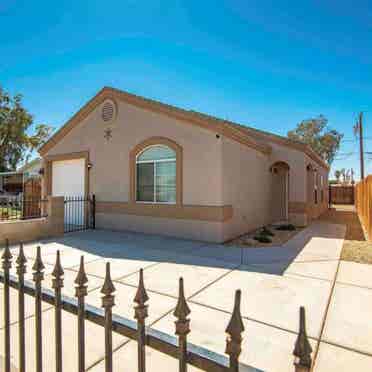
68 180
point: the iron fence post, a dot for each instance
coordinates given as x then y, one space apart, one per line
21 270
80 292
181 312
140 313
57 284
38 276
7 263
234 331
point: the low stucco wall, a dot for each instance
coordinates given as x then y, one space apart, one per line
28 230
188 229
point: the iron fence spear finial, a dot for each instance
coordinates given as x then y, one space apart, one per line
141 295
108 287
7 256
234 330
181 312
21 261
302 350
81 278
57 273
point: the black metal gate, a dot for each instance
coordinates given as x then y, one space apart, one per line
80 213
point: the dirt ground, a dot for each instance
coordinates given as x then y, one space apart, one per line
355 247
279 238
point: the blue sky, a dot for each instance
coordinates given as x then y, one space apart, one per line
267 64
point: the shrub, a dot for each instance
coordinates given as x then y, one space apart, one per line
266 231
262 239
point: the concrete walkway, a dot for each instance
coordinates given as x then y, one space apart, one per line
275 282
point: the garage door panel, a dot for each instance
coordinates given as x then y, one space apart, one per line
68 178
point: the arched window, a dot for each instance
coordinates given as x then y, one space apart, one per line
156 175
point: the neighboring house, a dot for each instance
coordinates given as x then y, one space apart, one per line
32 168
12 184
156 168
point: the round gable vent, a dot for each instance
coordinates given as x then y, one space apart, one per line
108 110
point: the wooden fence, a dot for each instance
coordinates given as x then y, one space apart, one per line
339 194
363 203
175 347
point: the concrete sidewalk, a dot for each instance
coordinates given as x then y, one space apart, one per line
274 281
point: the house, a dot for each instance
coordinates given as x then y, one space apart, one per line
156 168
31 169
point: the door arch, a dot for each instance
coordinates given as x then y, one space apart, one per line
279 191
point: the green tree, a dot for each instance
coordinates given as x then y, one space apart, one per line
316 133
18 137
338 175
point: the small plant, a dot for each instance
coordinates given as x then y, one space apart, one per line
262 239
266 231
286 227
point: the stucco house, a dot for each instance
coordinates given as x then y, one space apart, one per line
156 168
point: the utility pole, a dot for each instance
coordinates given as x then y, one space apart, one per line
361 145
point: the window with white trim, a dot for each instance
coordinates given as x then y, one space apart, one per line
156 175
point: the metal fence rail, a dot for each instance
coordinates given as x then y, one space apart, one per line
22 209
175 347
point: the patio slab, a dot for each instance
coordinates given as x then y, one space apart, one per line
349 318
336 359
324 270
355 274
271 299
196 272
118 267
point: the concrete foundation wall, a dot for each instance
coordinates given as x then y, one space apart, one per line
187 229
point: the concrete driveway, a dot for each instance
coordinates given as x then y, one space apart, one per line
275 282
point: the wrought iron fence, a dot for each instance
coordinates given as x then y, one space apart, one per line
175 347
79 213
22 209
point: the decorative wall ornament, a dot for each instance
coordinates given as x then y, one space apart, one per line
108 134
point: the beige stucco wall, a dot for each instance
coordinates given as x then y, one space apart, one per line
109 176
246 186
315 210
